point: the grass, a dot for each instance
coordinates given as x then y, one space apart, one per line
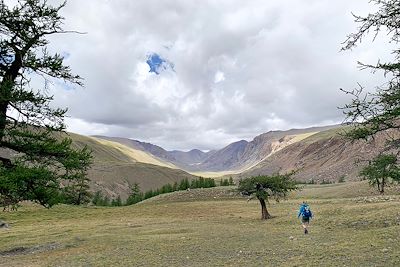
117 167
134 154
335 132
210 227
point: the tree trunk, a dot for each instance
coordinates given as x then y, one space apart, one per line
382 189
264 212
6 87
3 108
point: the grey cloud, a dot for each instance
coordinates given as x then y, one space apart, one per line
280 61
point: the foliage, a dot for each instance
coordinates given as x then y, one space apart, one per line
342 179
382 170
47 170
135 196
276 186
379 111
226 182
76 191
184 184
100 200
311 181
326 182
202 183
116 202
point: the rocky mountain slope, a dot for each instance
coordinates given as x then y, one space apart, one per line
325 156
241 155
234 157
318 154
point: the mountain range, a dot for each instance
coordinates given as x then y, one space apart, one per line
318 154
236 156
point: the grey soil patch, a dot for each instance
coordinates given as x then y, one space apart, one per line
4 225
29 250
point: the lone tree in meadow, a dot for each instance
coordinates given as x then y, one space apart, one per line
276 186
45 167
379 111
381 171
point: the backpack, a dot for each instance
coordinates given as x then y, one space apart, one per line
306 212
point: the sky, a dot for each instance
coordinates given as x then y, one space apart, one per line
185 74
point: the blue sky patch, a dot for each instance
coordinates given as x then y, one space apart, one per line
157 64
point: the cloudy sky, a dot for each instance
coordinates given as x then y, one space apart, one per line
187 74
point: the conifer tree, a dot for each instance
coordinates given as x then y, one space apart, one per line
46 166
381 171
135 196
378 112
276 186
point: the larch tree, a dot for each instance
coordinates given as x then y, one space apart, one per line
381 171
379 111
275 186
40 163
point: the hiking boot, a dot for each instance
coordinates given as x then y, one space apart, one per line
305 231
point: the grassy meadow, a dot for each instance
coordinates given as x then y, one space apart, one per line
210 227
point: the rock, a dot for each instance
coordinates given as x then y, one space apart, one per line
4 225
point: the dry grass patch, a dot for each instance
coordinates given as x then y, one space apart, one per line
206 232
135 154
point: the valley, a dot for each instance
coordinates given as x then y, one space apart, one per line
319 154
210 227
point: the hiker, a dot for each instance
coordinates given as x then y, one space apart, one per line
306 215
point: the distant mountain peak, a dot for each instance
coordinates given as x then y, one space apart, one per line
235 156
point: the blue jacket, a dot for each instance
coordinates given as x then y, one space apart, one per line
302 209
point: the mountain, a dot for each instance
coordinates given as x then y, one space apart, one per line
234 157
325 156
156 151
190 158
227 158
318 154
184 160
116 167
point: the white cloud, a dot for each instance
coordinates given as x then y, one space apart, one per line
219 77
241 68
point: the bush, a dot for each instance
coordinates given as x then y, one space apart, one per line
100 200
116 202
135 196
224 182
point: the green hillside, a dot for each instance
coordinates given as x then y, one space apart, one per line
117 167
209 227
